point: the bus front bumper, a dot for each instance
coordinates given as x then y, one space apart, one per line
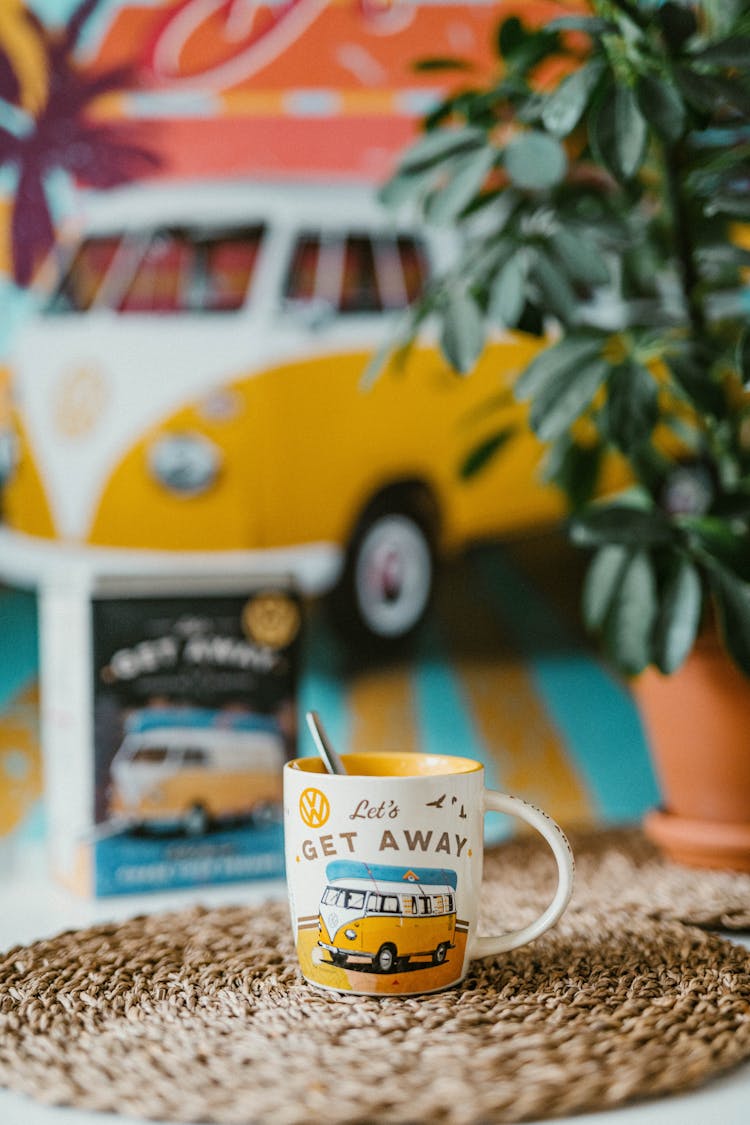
355 955
26 560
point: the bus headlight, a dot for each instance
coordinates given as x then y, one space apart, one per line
185 463
8 454
351 934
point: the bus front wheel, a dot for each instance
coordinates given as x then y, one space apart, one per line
387 583
440 953
385 959
196 820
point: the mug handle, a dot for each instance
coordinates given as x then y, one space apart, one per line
555 837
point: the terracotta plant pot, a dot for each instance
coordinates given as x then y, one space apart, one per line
698 724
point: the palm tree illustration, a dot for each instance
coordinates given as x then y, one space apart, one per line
45 95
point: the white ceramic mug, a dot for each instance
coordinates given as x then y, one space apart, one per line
384 869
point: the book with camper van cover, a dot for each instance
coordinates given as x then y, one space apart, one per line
192 717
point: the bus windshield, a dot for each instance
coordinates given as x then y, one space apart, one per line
161 272
350 900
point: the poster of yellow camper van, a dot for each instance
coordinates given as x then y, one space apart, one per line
209 288
194 383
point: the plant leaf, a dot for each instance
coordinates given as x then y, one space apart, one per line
631 131
555 287
707 93
619 133
442 63
718 545
393 347
618 523
722 15
678 617
662 107
466 178
567 355
732 598
564 398
523 47
511 35
632 405
581 256
733 51
462 335
743 357
403 187
631 617
563 108
677 23
440 144
486 451
602 580
535 161
574 468
602 132
376 365
592 25
692 375
508 292
736 206
694 89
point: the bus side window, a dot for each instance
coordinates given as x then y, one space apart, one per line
425 907
314 274
162 279
408 905
150 755
194 271
359 283
227 265
356 272
383 904
195 757
413 259
303 269
402 270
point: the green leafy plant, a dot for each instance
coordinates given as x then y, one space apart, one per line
601 181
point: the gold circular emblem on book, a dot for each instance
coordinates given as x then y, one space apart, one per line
271 619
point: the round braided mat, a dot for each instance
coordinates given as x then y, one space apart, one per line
620 869
202 1015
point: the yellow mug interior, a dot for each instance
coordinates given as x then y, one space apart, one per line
393 764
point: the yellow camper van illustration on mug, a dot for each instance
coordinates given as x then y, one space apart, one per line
387 917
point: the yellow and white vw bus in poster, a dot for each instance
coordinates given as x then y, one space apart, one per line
193 383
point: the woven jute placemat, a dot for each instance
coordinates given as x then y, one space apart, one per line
619 869
202 1015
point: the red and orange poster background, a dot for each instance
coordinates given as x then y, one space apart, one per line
323 87
96 93
299 88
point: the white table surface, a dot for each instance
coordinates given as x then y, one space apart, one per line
32 907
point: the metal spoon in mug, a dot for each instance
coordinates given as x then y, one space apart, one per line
330 758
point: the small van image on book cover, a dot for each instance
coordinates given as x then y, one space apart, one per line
193 767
